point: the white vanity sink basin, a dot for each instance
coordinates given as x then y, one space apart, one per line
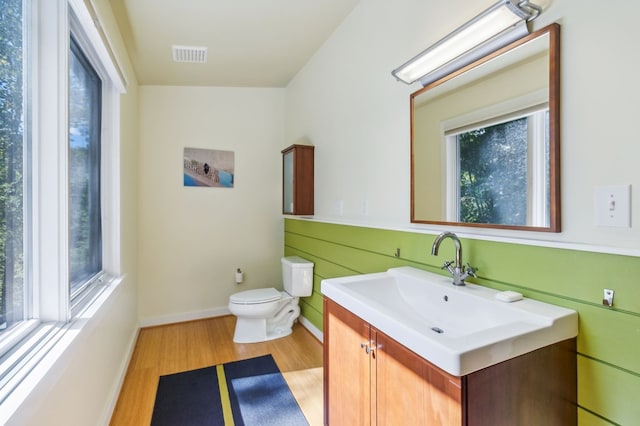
461 329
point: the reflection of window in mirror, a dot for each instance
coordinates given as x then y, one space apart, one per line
497 169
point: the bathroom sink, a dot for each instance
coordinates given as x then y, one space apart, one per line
460 329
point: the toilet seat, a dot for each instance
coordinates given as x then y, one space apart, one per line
257 296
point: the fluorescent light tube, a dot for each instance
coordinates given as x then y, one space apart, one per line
493 22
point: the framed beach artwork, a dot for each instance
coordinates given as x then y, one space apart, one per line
208 168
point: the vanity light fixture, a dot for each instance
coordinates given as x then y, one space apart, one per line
499 25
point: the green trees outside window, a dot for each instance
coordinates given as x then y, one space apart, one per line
503 171
12 141
493 174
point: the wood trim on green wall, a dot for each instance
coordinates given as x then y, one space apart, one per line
609 338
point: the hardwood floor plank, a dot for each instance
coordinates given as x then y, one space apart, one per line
190 345
306 386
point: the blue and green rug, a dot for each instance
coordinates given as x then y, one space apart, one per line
248 392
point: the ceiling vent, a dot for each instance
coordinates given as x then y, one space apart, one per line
190 54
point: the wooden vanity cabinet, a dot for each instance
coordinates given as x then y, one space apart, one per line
347 381
370 379
298 180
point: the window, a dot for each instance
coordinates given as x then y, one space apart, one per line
59 176
500 169
13 140
85 216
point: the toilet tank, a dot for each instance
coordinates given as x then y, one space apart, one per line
297 276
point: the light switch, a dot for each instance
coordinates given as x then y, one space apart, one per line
613 206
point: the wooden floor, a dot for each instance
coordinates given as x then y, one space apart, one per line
186 346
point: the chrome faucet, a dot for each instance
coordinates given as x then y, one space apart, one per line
458 271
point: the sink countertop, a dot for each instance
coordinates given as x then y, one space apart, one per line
476 330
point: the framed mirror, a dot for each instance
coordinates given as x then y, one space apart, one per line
485 140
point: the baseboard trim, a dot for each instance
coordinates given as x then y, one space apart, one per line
215 312
182 317
312 328
124 367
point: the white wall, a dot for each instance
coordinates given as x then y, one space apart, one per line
192 239
348 105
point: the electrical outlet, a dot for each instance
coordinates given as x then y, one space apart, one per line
365 208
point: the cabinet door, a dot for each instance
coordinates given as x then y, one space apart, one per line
411 391
298 180
287 183
346 367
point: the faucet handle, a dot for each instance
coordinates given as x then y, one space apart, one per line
471 270
447 266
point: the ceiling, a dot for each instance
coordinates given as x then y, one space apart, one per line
251 43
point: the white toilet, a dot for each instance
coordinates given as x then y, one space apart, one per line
266 313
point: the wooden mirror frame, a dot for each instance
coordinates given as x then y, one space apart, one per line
553 32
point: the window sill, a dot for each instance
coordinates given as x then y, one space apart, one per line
31 362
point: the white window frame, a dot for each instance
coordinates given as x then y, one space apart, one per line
81 25
51 177
51 310
512 109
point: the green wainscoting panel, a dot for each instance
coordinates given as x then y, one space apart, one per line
311 313
608 391
586 418
314 300
609 338
569 273
356 259
597 338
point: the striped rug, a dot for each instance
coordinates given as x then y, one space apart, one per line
247 392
